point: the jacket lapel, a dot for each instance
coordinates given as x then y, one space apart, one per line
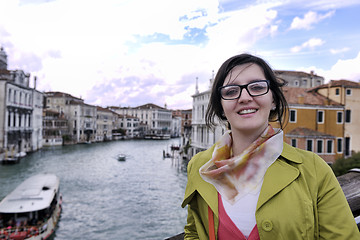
279 175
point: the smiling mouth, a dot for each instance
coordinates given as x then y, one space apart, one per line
247 111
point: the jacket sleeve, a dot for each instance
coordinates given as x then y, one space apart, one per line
190 227
335 217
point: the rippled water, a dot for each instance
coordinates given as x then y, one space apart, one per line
106 199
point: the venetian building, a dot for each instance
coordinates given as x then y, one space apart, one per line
16 114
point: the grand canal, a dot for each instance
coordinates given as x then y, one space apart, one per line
104 198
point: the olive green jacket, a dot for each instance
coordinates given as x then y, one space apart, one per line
300 199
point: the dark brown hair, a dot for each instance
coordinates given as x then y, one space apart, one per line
215 107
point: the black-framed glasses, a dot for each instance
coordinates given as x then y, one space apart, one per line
256 88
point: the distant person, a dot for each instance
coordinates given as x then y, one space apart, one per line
251 184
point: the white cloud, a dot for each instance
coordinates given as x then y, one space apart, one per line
339 50
343 69
310 44
310 18
346 69
102 50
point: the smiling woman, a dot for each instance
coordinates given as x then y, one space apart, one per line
252 185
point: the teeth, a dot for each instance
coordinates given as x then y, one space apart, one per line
247 111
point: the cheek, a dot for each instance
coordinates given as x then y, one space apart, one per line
227 106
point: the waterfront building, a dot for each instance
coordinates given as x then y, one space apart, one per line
20 114
131 126
201 136
37 115
300 79
155 120
55 128
81 116
175 128
186 116
314 123
17 112
347 93
105 122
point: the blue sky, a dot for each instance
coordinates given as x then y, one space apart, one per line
129 53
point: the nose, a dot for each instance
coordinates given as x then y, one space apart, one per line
244 96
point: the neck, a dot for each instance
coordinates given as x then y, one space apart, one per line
242 140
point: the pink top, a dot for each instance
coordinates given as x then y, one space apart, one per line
228 230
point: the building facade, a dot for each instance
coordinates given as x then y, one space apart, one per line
347 93
81 117
106 123
202 137
300 79
55 128
20 115
316 120
131 125
155 121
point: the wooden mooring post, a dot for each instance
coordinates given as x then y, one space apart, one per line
350 184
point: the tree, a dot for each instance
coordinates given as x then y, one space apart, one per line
343 165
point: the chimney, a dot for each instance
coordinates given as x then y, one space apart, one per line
35 79
196 86
300 99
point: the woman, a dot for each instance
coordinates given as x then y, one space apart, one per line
252 185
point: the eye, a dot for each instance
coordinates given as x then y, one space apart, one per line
230 91
257 86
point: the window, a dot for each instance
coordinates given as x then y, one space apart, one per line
305 82
339 145
320 116
9 97
319 144
293 142
337 91
9 120
348 116
309 145
329 148
296 83
347 146
348 92
292 115
339 117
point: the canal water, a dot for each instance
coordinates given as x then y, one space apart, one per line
104 198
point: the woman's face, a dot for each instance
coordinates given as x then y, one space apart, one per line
247 114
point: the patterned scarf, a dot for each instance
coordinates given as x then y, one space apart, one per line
234 177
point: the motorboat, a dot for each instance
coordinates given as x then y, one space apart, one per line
121 157
32 210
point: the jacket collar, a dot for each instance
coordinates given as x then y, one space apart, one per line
291 154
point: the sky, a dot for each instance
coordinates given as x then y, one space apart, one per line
132 52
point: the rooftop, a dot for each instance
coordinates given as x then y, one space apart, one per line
305 96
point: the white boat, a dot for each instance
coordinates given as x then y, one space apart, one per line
121 157
20 154
32 210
